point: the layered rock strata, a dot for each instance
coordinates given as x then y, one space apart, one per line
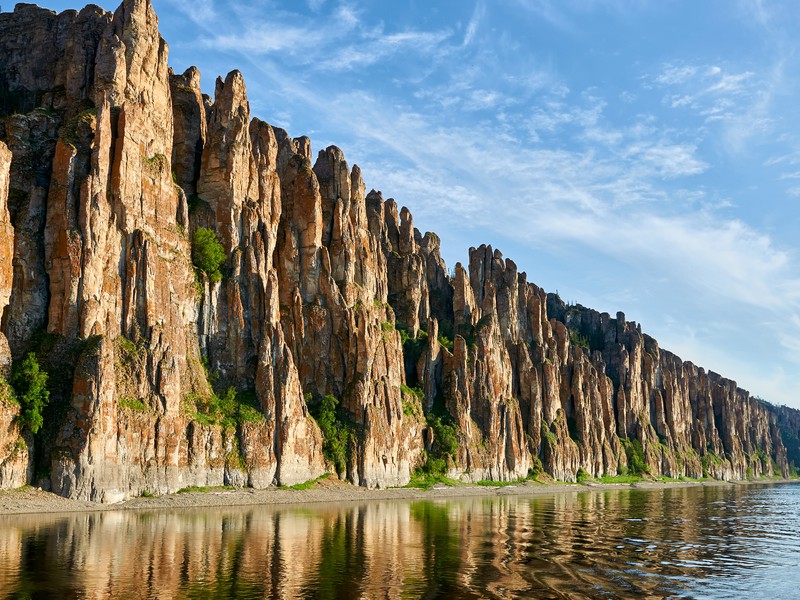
110 164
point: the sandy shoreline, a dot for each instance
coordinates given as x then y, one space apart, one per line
32 501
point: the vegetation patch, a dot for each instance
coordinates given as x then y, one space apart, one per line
228 410
443 449
6 393
620 479
517 481
412 400
635 454
578 339
29 382
234 458
707 460
134 404
549 435
157 163
445 342
59 359
471 332
208 255
306 485
536 468
423 479
76 127
413 347
338 432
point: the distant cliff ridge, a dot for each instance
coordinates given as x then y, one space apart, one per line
213 305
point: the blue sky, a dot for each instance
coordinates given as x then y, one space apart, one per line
641 156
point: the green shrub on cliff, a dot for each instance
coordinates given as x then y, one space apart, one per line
30 387
443 450
6 393
445 440
228 410
576 338
413 347
635 454
207 253
338 435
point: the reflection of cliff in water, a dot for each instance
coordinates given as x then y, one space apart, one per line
626 542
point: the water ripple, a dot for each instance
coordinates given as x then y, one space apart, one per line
699 542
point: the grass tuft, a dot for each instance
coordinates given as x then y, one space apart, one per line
426 481
306 485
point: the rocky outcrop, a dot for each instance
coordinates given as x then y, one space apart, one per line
103 265
6 258
788 421
688 422
164 376
15 463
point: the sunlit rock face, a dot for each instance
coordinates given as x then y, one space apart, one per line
109 165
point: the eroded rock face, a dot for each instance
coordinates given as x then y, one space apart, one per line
15 464
6 258
104 242
530 378
109 164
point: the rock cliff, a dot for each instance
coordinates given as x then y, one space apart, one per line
165 373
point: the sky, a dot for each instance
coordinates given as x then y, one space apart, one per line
633 155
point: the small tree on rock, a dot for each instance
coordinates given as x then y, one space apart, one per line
30 387
207 253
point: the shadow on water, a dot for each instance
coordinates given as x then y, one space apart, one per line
699 542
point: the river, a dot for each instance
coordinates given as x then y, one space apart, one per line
697 542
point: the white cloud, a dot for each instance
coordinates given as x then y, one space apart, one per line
679 100
382 47
262 39
200 12
667 160
474 22
337 43
738 102
673 75
729 83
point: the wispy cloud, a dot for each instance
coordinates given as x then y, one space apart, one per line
338 41
738 102
674 75
200 12
378 48
550 12
474 22
261 35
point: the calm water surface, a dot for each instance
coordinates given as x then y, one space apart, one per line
700 542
